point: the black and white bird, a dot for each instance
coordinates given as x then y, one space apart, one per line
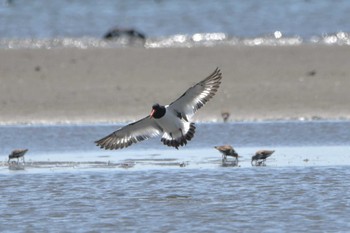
172 121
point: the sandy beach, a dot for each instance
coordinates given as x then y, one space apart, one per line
121 84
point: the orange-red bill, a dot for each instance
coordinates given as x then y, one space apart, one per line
152 112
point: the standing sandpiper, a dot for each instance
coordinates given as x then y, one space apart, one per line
260 157
227 150
225 116
16 154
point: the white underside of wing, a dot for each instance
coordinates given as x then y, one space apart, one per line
196 96
129 134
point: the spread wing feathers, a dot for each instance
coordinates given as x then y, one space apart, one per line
129 134
196 96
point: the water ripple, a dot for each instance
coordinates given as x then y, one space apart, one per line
251 200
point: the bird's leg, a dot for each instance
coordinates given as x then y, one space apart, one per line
236 161
224 158
183 139
182 135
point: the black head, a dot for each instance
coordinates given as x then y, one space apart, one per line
157 111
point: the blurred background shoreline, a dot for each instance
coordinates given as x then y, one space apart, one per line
84 24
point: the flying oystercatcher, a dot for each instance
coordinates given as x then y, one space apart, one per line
172 121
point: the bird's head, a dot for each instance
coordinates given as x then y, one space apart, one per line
157 111
235 154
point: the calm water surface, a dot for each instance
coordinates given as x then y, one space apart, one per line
249 18
69 185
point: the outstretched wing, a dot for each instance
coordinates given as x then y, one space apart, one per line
196 96
129 134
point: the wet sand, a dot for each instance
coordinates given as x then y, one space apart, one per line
117 85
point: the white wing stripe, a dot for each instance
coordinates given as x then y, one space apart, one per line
195 97
132 133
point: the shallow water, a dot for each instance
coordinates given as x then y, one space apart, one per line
265 199
82 24
69 185
250 18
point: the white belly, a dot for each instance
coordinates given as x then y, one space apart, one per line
171 124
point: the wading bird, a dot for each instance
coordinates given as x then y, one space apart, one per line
225 116
16 154
260 157
173 121
227 150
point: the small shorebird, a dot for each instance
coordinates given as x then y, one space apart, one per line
172 121
225 116
227 150
260 157
16 154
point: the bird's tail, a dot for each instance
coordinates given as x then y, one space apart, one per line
180 141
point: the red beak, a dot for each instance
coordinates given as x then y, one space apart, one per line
153 111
